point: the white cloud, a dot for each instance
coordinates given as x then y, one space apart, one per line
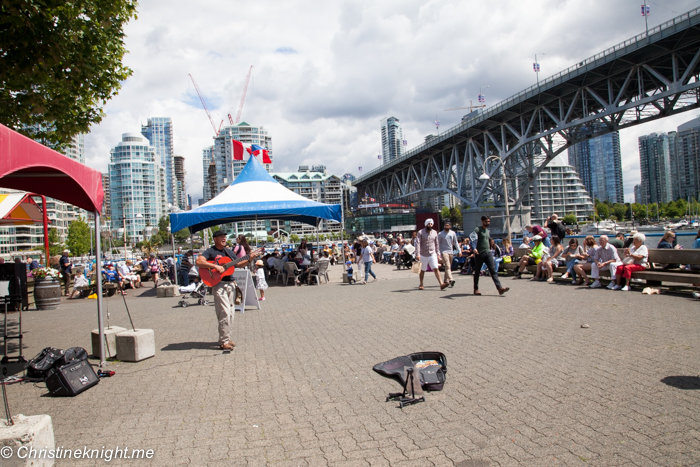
325 73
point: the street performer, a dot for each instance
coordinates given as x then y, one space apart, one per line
224 291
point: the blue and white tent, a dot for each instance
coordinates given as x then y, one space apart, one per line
254 194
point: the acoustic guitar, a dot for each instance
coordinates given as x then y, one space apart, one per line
211 277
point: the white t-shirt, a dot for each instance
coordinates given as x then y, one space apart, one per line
642 250
367 254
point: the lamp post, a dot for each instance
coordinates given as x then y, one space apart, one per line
485 176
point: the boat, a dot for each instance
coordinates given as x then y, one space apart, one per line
602 227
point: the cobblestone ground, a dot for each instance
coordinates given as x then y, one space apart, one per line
527 385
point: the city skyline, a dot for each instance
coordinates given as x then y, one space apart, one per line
321 96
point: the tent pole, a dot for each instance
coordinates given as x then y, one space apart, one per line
174 257
256 231
46 230
342 223
98 274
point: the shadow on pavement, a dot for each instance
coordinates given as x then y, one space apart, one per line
192 346
682 382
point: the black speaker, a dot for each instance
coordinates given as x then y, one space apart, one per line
71 379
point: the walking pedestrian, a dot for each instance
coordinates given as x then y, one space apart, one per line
368 259
484 256
427 253
448 244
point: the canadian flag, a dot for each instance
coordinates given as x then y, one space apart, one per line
237 150
256 150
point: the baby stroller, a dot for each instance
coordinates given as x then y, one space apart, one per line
197 290
406 258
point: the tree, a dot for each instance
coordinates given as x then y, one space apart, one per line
569 219
60 62
270 239
445 213
456 215
620 211
149 246
603 210
181 236
294 238
78 241
55 246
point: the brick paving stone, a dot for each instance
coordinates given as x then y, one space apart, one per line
525 384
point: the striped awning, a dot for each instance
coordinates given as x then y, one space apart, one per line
19 209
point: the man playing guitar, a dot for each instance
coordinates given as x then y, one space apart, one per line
224 291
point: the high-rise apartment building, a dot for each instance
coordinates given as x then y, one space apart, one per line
558 190
655 154
392 140
225 169
159 132
105 186
637 193
685 165
180 182
599 164
206 160
137 186
76 151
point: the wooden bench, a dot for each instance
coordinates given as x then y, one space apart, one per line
656 256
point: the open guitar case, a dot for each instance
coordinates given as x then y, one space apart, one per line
417 372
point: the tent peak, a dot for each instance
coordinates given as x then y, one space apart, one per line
253 172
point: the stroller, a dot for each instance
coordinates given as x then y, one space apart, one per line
197 290
407 257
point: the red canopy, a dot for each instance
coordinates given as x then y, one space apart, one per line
30 166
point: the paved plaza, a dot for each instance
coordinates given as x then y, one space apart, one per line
526 384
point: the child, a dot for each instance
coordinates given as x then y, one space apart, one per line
350 273
260 274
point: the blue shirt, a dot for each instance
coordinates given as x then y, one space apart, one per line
111 275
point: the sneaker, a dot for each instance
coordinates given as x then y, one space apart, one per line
611 285
696 295
626 288
617 287
574 281
261 299
595 285
565 275
227 346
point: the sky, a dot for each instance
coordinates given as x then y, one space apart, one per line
326 73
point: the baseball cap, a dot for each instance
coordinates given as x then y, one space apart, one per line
219 233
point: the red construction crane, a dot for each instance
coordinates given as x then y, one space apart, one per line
245 89
204 104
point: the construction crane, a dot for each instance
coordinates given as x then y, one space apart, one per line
470 107
245 89
204 104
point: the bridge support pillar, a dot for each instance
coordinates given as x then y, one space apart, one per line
471 218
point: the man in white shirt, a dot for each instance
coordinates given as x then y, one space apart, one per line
448 242
428 248
605 257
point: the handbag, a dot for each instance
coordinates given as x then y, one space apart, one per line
415 268
628 260
507 259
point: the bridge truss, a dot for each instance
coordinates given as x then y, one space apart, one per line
640 80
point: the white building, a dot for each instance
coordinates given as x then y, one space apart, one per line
558 190
225 169
137 187
159 132
316 185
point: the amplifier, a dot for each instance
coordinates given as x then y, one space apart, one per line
71 379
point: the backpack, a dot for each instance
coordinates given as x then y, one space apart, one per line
39 366
561 231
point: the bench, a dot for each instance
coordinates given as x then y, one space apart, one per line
656 256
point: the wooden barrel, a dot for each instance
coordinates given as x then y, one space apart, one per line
47 293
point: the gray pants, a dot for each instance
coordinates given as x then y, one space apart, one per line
224 295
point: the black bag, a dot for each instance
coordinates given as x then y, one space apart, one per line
72 355
561 232
39 366
71 379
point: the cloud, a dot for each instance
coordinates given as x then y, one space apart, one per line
344 66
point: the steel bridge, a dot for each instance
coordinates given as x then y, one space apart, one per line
650 76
